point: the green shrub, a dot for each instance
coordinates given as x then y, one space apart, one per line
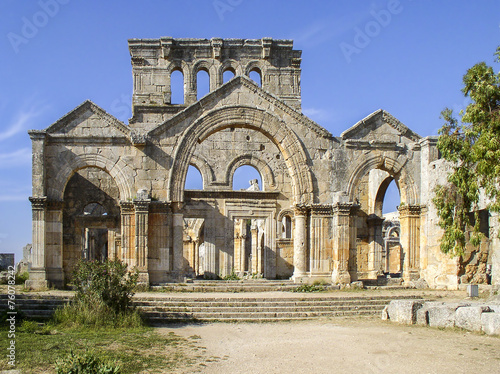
103 296
232 276
23 277
309 288
86 363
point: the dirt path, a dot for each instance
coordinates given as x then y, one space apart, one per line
341 346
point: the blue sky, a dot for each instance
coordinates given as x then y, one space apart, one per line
406 57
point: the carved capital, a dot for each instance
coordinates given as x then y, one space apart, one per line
345 209
300 210
321 210
38 203
142 206
127 207
409 210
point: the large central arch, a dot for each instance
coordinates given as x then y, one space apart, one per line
246 117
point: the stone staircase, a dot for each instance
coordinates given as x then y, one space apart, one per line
246 285
274 306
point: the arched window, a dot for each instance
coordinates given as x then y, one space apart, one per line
202 84
194 180
287 227
391 198
256 76
228 75
247 177
177 87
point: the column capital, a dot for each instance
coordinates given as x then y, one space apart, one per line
322 209
37 135
38 202
344 208
127 207
300 210
142 206
409 210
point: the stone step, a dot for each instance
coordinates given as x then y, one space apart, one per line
160 308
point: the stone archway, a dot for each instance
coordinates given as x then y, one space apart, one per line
118 170
366 262
277 131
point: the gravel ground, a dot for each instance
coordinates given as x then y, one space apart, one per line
340 345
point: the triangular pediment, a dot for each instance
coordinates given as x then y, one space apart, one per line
380 126
231 93
88 120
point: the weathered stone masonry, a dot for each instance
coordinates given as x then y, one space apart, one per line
104 189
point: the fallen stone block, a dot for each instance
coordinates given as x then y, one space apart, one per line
404 311
423 313
490 323
442 315
469 318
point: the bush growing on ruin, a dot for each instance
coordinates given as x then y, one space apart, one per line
472 144
104 291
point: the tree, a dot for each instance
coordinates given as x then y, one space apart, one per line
472 145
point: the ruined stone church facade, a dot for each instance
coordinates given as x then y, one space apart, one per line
105 189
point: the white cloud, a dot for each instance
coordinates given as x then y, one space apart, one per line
316 114
21 122
20 157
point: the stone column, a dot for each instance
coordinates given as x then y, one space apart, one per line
38 139
375 265
54 243
300 243
343 222
254 232
38 273
409 218
177 240
128 233
141 238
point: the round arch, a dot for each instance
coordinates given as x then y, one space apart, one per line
268 181
396 170
207 174
256 119
119 171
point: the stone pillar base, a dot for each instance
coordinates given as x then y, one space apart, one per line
143 278
299 278
37 285
341 277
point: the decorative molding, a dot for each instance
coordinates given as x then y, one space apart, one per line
38 202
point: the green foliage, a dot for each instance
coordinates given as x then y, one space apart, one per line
23 277
86 363
309 288
104 292
106 281
232 276
472 145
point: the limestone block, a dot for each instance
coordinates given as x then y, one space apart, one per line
442 315
469 318
404 311
385 313
490 323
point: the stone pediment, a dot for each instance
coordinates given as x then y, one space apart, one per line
88 120
243 91
380 126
